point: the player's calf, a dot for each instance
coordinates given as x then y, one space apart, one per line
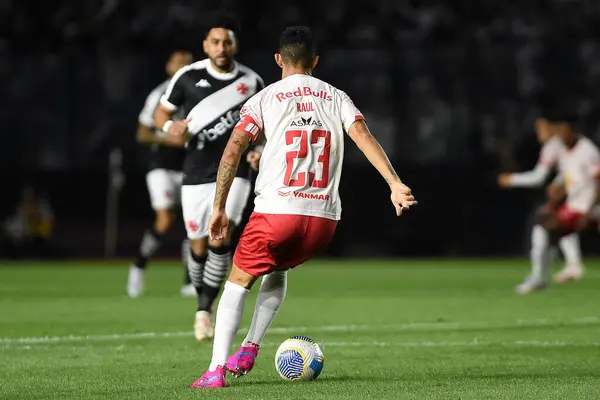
213 276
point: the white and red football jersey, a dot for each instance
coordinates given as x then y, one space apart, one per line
304 121
580 167
550 155
551 152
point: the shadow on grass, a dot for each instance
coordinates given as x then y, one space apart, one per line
432 377
234 383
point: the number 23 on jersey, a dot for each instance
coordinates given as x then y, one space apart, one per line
306 168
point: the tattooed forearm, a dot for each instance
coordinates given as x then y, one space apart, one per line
394 176
225 178
238 143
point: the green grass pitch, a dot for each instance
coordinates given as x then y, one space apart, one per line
405 329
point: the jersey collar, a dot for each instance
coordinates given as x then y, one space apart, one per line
220 76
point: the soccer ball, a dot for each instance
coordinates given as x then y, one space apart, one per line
299 359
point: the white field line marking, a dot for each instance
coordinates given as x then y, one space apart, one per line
430 326
474 343
424 344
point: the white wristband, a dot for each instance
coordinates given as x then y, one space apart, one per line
167 125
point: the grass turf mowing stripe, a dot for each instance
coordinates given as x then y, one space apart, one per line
331 328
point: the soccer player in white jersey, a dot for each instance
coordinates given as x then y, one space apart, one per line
580 174
552 150
163 180
302 121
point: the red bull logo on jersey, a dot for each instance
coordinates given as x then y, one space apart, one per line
302 92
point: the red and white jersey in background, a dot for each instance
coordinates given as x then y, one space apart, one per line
552 151
550 155
304 121
580 168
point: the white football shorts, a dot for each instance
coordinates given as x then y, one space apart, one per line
197 205
164 187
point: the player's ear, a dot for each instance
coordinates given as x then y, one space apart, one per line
205 46
315 61
278 60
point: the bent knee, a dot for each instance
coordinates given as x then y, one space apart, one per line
241 277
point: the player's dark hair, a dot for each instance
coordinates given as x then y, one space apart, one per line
560 114
297 45
225 20
560 106
178 51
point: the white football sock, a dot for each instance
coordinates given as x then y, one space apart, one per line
270 296
569 245
228 318
540 253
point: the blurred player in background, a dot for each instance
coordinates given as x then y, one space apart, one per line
552 150
163 179
297 207
579 177
210 94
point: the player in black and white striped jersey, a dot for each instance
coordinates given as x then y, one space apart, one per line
210 93
163 178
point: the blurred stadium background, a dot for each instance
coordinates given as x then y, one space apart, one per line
450 88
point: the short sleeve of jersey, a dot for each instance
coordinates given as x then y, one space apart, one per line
549 154
349 112
251 116
146 116
175 94
594 162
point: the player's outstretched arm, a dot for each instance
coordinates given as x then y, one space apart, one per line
402 197
534 178
146 135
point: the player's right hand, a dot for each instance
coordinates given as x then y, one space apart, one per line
176 141
253 158
402 198
179 127
504 180
218 226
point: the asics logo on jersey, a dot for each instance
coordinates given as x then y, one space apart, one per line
301 92
226 122
306 122
203 83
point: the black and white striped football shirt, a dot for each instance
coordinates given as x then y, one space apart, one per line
212 102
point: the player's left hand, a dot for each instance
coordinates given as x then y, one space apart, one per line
555 192
504 180
218 226
402 198
253 158
584 222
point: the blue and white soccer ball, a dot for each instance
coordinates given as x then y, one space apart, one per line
299 359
